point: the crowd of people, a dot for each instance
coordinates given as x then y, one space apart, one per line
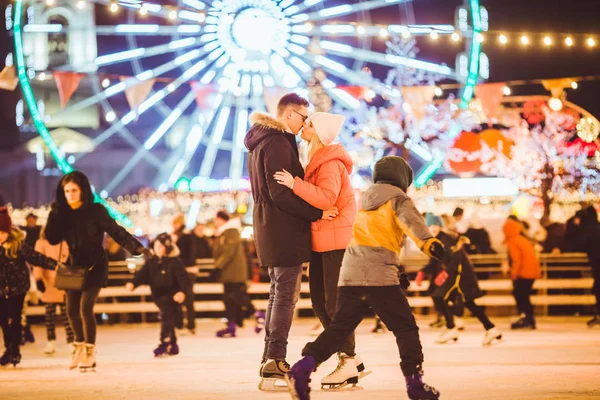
304 212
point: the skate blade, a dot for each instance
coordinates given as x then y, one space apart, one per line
270 385
88 369
364 374
344 387
496 340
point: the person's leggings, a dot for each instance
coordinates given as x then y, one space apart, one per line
51 318
80 308
10 320
476 310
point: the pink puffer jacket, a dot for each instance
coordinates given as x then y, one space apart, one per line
327 184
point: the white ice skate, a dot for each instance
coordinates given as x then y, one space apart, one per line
346 373
459 323
447 336
89 361
273 376
50 347
78 354
360 366
491 335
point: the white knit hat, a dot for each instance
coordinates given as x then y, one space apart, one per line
328 126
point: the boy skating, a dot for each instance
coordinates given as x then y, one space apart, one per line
369 271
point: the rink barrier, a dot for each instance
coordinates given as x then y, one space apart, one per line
117 300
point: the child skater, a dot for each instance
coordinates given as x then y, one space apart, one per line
14 284
165 274
369 271
457 279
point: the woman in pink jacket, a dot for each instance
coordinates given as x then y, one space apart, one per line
327 185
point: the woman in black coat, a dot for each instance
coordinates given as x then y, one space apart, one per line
76 219
590 237
457 279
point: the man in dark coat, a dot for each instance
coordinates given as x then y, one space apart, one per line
32 229
281 221
184 243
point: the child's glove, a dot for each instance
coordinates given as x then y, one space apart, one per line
433 248
404 281
440 279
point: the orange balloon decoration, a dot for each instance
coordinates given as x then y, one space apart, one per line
464 157
496 141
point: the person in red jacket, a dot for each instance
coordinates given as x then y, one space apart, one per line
525 269
326 184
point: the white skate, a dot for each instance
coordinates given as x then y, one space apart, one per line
78 354
273 376
447 336
50 348
348 372
89 361
491 335
459 323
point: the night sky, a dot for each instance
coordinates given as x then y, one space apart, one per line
509 63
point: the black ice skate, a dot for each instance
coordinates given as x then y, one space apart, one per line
594 321
525 322
417 390
273 375
5 358
173 349
15 356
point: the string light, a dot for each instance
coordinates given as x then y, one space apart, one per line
361 30
503 39
524 40
406 34
434 35
591 42
548 41
588 130
80 4
172 15
105 83
49 3
507 91
555 104
114 7
574 85
569 41
143 10
455 37
480 38
110 116
438 91
308 26
383 33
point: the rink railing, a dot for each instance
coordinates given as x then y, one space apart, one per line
566 281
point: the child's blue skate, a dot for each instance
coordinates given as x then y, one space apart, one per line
417 390
298 378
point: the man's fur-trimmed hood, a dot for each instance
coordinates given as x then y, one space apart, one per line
263 126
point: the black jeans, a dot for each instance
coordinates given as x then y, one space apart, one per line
324 274
10 319
390 304
80 308
167 309
237 302
189 307
521 292
476 310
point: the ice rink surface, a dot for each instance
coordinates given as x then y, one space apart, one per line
560 360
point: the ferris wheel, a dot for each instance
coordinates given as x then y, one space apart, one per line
229 53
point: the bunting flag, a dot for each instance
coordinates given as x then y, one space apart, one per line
358 92
418 98
557 86
8 79
137 93
490 95
205 94
272 96
67 83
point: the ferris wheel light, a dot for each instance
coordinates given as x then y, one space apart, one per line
434 35
361 30
502 39
569 41
110 116
438 91
143 11
383 33
114 7
49 3
172 15
105 83
80 4
455 37
574 85
524 40
406 34
555 104
507 91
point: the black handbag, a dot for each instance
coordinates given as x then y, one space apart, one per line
70 277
